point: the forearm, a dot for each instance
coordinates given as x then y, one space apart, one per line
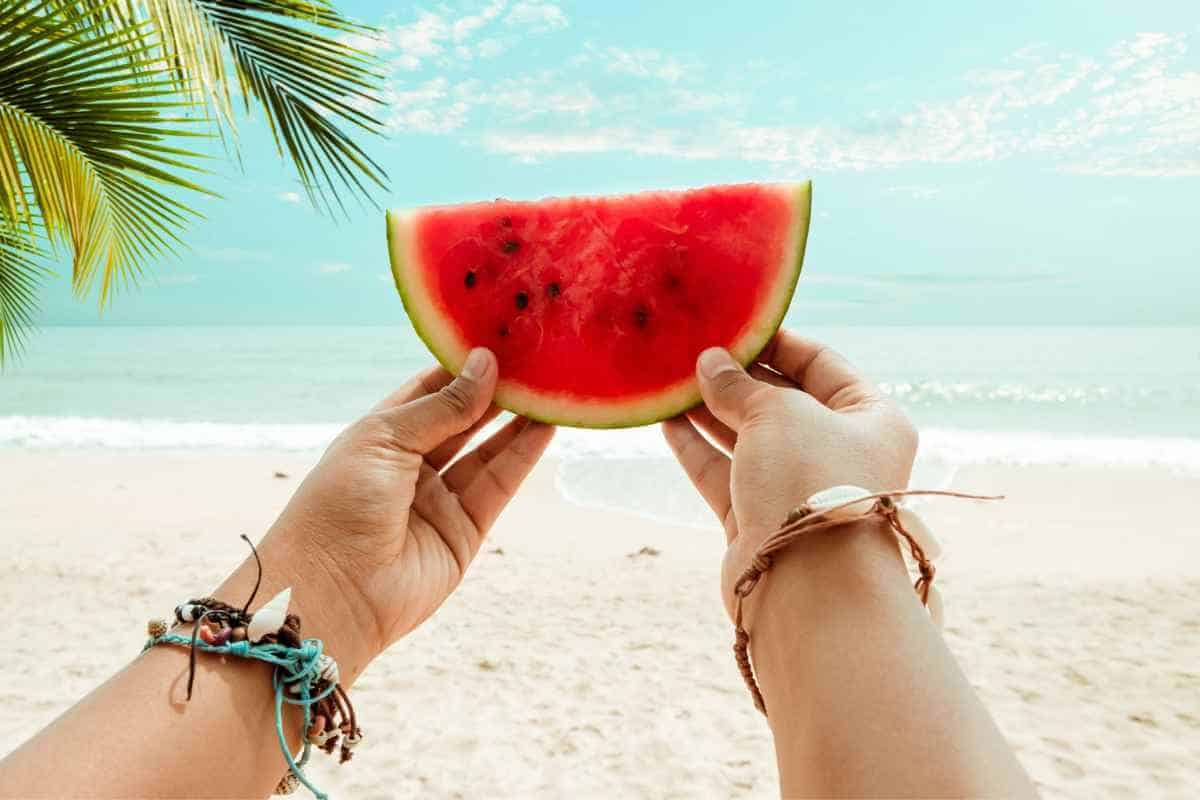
137 735
863 696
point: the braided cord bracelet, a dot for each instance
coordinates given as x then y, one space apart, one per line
303 675
833 508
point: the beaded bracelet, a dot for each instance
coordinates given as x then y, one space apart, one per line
832 508
303 675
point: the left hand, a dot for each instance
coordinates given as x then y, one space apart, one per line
385 525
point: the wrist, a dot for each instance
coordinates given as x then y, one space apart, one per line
850 576
330 606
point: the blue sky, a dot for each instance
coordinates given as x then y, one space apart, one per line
1014 163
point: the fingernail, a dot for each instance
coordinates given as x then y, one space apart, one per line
714 361
478 363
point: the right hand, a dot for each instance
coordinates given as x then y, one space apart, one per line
801 420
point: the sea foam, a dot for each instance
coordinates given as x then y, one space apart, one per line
938 445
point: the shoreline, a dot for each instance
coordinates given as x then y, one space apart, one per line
570 663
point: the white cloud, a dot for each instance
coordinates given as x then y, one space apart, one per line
533 146
425 108
444 39
994 77
1127 110
530 96
290 197
539 16
417 41
465 27
643 64
450 42
689 101
1133 112
333 267
489 48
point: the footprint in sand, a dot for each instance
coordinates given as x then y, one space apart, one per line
1067 768
1076 677
1058 744
1027 695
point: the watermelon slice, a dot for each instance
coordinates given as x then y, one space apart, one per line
597 307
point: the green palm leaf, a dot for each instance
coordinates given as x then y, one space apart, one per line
21 274
88 152
289 58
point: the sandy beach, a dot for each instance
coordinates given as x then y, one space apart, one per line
574 663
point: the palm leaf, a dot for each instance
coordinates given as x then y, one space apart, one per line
287 57
88 145
21 274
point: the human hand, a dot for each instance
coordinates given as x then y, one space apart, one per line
800 421
385 525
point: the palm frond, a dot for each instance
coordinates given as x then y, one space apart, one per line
288 57
90 143
21 274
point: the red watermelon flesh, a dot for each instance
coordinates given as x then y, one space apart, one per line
596 307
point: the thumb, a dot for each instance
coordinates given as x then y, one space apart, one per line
423 424
726 388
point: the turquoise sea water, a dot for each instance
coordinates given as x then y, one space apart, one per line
1110 394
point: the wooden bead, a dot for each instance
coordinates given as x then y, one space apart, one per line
316 731
188 612
238 634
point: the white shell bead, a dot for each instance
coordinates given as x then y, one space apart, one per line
937 609
835 496
327 668
917 528
269 619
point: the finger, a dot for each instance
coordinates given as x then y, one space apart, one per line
707 467
445 453
768 375
460 474
424 424
425 382
817 369
721 433
501 472
728 391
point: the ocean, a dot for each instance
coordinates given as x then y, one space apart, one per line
1111 396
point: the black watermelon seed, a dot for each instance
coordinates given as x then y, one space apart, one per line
522 300
469 280
641 316
510 246
503 331
553 290
506 222
673 281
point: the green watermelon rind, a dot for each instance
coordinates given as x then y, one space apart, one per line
591 412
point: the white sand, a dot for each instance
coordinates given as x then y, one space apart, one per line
564 666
